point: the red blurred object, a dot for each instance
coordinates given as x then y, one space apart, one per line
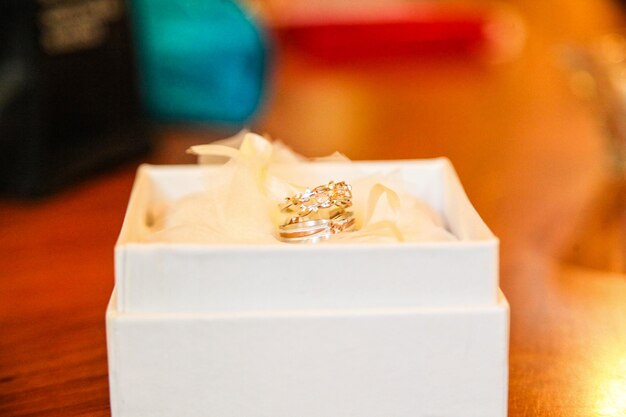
417 30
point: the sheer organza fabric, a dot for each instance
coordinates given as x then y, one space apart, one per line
240 202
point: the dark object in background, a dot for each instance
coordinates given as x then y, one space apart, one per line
68 101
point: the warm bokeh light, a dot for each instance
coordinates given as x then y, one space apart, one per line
610 388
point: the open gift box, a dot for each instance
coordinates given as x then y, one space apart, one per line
324 330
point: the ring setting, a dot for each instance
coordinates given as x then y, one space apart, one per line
333 194
317 214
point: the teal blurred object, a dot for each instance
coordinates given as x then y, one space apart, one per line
199 60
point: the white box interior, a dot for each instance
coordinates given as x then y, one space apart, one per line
203 278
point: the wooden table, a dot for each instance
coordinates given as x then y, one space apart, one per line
529 154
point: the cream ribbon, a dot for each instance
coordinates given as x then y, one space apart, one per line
257 151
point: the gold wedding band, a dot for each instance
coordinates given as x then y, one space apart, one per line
299 227
304 230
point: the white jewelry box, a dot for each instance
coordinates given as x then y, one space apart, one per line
192 278
232 331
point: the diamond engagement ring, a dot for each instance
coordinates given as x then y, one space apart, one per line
332 195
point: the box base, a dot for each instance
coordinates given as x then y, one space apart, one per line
443 362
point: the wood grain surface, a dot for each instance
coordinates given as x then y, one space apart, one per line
531 156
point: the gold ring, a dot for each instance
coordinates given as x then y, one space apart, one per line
333 194
301 227
342 222
305 230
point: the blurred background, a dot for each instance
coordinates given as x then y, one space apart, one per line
88 85
526 97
